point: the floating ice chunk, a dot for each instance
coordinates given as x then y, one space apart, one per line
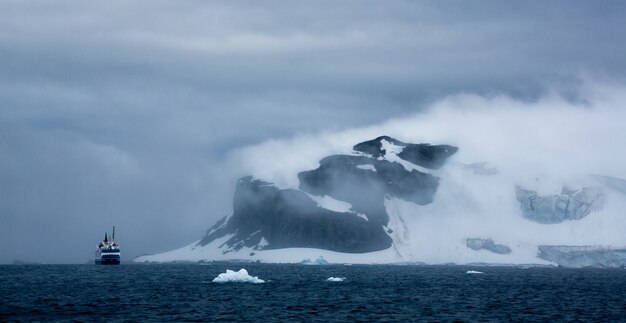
474 272
319 261
240 276
335 279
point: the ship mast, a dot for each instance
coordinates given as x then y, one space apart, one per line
113 236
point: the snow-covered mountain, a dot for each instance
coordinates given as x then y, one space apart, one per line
393 202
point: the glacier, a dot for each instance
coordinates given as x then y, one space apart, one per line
584 256
377 204
470 180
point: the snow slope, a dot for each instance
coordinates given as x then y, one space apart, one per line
549 147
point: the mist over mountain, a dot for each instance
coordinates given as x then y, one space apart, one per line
501 185
266 217
144 116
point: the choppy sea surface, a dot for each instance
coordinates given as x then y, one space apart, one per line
301 293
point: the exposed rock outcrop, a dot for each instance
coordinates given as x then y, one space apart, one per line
569 205
289 218
487 244
374 147
425 155
340 177
266 217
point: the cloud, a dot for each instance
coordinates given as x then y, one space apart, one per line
551 137
543 145
126 112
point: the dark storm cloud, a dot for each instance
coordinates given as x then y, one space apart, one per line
122 113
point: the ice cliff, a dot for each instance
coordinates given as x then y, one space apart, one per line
556 208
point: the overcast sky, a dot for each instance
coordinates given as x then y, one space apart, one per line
125 113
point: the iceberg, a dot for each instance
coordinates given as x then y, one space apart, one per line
335 279
474 272
319 261
240 276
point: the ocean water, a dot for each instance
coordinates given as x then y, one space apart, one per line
301 293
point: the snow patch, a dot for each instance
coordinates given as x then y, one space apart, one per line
335 279
361 215
240 276
367 167
398 231
330 203
190 252
218 228
391 154
263 243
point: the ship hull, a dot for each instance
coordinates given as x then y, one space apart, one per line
107 261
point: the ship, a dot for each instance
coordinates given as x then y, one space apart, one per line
107 251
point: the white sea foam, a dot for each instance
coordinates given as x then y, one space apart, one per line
335 279
240 276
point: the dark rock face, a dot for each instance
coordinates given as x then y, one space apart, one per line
569 205
425 155
289 218
374 147
340 177
282 218
584 256
487 244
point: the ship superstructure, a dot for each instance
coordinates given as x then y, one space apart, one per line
107 251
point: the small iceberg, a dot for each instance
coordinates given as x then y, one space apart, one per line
474 272
319 261
240 276
335 279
